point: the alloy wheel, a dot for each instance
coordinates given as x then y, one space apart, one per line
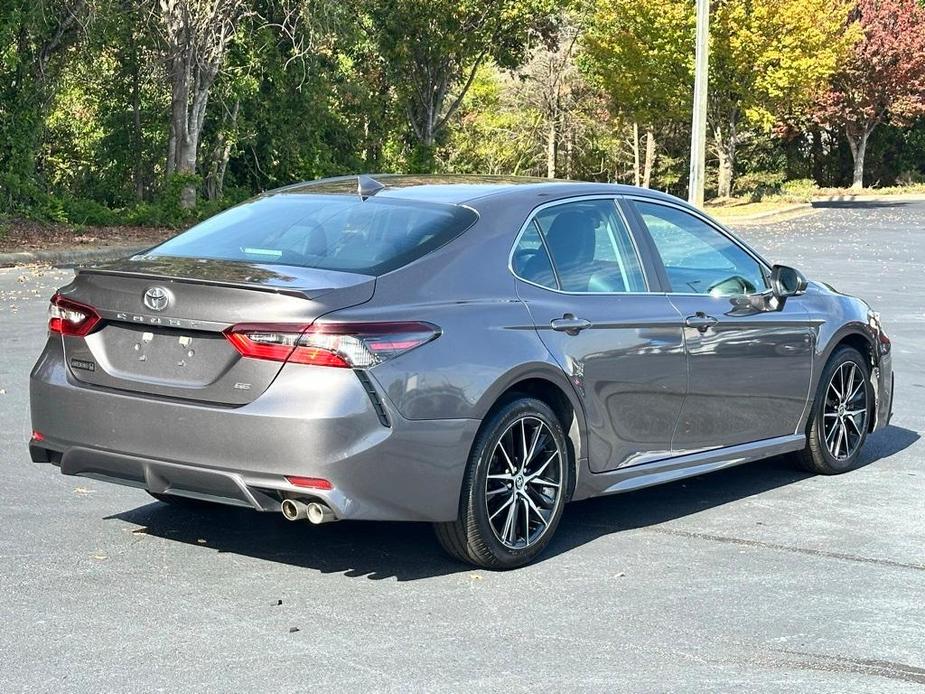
845 411
523 488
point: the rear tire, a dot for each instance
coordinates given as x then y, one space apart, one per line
514 491
840 417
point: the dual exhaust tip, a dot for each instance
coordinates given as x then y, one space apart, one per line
314 512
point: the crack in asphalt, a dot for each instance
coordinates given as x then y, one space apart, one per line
863 666
788 548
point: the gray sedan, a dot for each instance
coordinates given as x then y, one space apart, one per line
472 352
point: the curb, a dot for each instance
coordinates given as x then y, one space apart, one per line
847 199
70 256
780 214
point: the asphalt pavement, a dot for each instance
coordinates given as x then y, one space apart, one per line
758 578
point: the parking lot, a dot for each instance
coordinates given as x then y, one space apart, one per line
760 577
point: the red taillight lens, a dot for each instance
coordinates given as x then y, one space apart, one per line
68 317
310 482
272 341
38 436
345 345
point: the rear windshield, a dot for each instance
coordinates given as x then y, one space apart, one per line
329 232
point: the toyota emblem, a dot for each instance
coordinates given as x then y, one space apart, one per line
157 298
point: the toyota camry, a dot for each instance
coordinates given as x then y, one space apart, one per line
470 352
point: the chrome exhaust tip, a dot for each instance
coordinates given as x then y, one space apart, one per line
319 513
294 510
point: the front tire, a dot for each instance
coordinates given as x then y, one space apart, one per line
840 416
515 488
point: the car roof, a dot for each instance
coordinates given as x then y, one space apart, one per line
460 189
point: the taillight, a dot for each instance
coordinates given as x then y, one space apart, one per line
344 345
68 317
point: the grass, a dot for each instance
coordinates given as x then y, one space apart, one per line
911 188
737 209
732 209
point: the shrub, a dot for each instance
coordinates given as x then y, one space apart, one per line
909 178
757 184
87 212
800 188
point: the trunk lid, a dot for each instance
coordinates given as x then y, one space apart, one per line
173 345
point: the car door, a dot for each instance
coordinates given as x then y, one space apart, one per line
580 273
750 369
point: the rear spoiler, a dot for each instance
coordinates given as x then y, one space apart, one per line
288 280
299 292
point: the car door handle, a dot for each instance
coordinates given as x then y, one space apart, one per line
701 321
569 324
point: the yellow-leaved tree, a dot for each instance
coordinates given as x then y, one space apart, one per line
640 53
768 58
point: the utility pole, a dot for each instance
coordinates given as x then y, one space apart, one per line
699 120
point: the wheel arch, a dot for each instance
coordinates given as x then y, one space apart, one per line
862 343
857 336
549 385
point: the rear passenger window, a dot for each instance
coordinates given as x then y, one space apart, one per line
531 261
591 248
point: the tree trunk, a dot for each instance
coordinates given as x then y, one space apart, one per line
636 172
650 157
552 146
186 164
197 38
816 155
137 165
858 144
215 180
725 144
569 152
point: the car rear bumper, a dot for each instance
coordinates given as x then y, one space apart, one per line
311 422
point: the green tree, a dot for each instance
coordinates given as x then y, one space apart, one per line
492 133
641 53
34 35
196 38
431 53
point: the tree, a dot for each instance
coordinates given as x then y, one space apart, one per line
196 38
34 35
883 77
493 132
431 52
549 85
641 54
768 58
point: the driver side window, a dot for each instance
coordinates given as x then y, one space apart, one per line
698 258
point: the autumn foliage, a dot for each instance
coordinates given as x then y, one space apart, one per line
882 78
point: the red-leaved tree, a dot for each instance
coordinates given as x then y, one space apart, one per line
883 77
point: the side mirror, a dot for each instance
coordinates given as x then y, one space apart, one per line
787 281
